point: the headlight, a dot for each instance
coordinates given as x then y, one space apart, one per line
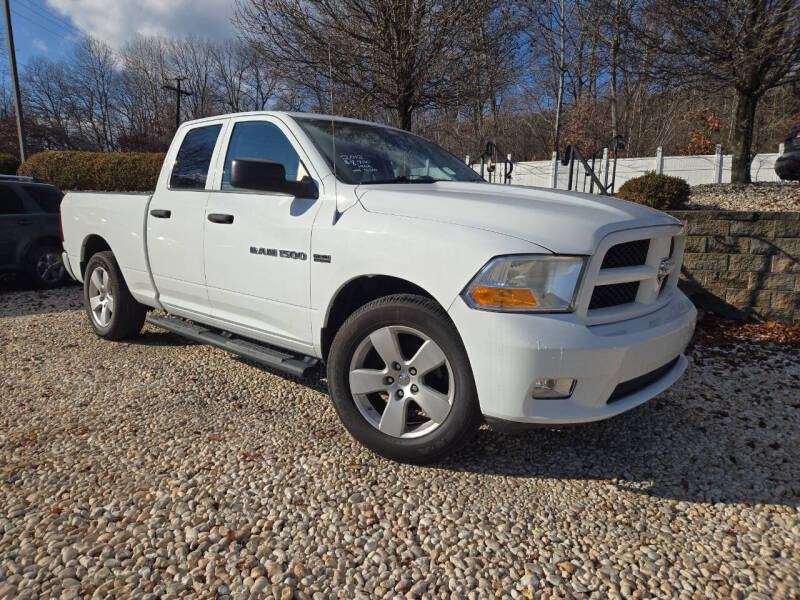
526 283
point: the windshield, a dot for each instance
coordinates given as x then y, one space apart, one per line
374 154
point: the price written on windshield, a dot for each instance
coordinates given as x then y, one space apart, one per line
358 163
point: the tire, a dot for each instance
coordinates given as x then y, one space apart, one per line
44 268
104 286
432 411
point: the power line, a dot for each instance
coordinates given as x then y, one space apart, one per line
37 24
39 20
47 13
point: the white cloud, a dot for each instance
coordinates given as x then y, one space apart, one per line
39 45
117 21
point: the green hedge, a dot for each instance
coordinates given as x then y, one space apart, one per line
659 191
96 171
8 164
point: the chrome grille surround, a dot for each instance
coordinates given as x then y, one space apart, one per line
652 293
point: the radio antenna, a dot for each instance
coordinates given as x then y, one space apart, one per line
336 213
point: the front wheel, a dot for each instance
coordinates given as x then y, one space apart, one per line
113 312
401 381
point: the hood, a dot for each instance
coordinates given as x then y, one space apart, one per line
563 222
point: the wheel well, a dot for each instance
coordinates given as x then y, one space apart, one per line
357 293
91 246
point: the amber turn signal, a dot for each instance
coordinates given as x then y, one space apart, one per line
504 297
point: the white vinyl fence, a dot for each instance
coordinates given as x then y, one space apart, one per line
696 170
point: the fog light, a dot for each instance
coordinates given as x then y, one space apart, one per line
546 388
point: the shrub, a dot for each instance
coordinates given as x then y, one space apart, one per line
8 164
658 191
96 171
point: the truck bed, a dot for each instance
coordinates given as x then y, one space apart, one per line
118 219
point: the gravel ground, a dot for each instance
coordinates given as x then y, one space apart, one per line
770 197
162 469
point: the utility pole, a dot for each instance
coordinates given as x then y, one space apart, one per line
178 93
12 58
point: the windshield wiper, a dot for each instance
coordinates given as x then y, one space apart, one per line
406 179
420 179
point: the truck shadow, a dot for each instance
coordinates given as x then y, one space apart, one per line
706 440
721 435
693 443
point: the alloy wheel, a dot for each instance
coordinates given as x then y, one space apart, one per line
101 301
401 382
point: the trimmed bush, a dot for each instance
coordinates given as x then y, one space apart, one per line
8 164
658 191
96 171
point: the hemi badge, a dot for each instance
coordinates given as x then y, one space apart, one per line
322 258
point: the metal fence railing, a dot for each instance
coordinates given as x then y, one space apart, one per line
696 170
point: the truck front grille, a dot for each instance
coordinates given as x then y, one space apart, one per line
613 295
629 254
626 274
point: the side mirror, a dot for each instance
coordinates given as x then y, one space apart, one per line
268 176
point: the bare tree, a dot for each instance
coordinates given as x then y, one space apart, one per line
243 79
192 58
399 55
96 81
746 46
608 20
553 32
230 71
48 93
147 109
659 72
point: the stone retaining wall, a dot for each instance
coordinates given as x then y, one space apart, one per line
744 265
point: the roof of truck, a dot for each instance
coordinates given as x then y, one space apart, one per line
281 113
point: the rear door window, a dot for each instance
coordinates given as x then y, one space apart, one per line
11 202
46 197
191 164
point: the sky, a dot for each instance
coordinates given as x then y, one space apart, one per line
51 28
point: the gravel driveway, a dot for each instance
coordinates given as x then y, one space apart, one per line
159 468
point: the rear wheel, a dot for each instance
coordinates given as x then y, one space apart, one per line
44 268
401 381
113 312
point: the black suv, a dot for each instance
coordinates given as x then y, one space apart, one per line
788 164
30 237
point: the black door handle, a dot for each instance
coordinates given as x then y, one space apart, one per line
160 213
220 218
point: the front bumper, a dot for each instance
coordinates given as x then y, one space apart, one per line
508 352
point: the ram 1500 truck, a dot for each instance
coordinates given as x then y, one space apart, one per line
434 299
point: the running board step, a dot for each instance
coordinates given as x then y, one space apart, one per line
283 360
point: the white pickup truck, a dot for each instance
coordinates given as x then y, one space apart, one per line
435 300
